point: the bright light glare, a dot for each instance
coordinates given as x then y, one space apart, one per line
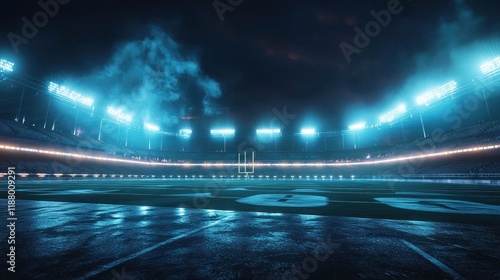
394 114
437 94
357 126
151 127
268 131
491 66
119 115
278 164
6 65
222 132
69 94
308 131
185 132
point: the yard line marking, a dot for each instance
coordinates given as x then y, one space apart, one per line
147 250
434 261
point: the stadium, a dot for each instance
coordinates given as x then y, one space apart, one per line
151 196
135 172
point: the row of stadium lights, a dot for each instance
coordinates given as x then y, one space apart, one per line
489 68
253 165
186 177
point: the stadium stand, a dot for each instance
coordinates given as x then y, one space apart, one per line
483 133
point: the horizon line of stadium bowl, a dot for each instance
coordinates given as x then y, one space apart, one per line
490 68
445 151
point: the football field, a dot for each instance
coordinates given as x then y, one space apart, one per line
255 229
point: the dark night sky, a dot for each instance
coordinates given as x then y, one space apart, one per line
263 55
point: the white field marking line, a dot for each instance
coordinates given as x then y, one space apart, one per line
434 261
469 249
116 192
355 201
147 250
163 195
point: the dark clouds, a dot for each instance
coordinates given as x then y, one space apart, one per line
264 55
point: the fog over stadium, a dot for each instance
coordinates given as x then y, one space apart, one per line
154 80
181 60
238 139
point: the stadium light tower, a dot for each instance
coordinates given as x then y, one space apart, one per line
394 115
268 133
151 128
434 96
69 95
307 133
122 118
119 115
354 128
437 94
6 66
185 133
72 96
222 133
491 67
357 126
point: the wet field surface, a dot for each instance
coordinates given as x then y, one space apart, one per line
256 229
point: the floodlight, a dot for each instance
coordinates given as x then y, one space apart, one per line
6 65
393 114
151 127
357 126
119 115
185 132
437 94
308 131
491 66
69 94
222 132
268 131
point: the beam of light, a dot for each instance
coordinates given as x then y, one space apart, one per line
151 127
268 131
491 66
437 94
69 94
6 65
185 132
222 132
256 164
357 126
393 114
119 115
308 131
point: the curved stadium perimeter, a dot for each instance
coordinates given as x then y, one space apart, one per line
96 199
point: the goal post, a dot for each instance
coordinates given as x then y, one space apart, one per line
244 165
